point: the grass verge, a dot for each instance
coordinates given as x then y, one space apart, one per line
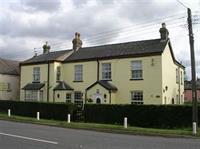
184 132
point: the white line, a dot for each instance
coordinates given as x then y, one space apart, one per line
28 138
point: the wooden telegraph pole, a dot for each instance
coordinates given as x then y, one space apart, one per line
194 91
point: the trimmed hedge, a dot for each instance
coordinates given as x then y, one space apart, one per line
57 111
153 116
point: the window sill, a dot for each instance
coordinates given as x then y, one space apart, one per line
106 79
77 81
36 82
136 79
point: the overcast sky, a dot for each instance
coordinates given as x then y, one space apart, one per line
27 24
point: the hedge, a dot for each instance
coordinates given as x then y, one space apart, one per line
57 111
152 116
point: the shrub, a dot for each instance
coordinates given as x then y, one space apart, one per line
57 111
154 116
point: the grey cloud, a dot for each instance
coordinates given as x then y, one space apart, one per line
146 10
41 5
62 26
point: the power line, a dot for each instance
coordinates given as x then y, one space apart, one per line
182 4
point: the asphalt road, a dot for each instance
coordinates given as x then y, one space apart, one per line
27 136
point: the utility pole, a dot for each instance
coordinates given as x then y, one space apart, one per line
194 91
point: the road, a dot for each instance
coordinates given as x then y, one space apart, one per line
15 135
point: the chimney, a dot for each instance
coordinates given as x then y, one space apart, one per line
77 42
46 48
163 32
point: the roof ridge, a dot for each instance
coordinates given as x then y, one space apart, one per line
111 44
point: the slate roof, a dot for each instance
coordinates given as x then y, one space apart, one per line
107 85
33 86
48 57
9 67
128 49
63 86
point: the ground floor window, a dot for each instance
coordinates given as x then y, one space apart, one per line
137 97
32 95
78 95
78 99
68 97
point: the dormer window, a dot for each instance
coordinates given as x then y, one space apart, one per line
36 74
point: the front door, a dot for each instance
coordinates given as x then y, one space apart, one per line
98 101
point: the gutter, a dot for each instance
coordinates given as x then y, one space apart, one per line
48 73
97 70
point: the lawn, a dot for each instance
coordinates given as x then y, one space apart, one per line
184 132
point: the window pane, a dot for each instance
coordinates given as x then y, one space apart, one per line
136 97
136 69
106 71
58 73
36 74
78 73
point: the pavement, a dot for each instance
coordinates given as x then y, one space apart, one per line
14 135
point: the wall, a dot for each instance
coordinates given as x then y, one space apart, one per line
121 75
27 77
188 95
13 93
89 75
170 89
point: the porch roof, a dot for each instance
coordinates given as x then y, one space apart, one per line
33 86
107 85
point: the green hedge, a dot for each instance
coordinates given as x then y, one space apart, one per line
57 111
153 116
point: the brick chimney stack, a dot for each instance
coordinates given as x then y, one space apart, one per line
77 42
46 48
163 32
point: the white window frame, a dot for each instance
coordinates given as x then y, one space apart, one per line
78 73
135 97
36 74
68 97
106 71
32 95
58 73
136 70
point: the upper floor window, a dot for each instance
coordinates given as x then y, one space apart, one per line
137 97
106 71
36 74
177 76
58 73
136 70
78 76
181 77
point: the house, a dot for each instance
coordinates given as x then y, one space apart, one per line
138 72
9 79
188 90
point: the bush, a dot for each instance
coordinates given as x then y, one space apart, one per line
154 116
57 111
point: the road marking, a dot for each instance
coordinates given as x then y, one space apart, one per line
28 138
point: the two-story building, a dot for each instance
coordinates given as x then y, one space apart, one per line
138 72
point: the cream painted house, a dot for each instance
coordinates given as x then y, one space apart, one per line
9 79
138 72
